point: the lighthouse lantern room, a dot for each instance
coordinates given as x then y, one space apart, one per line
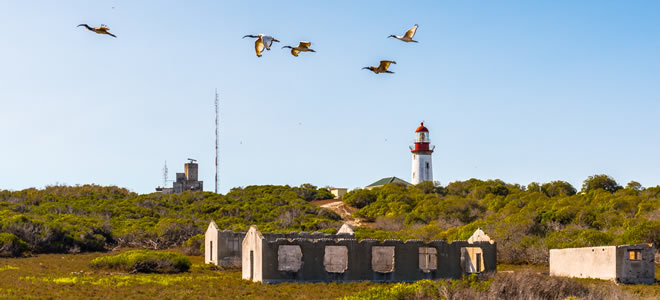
422 166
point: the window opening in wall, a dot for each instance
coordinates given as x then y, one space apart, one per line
335 259
472 260
428 259
289 258
211 250
428 165
478 262
634 254
382 259
251 264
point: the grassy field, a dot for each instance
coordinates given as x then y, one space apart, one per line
68 276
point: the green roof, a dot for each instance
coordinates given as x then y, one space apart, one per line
387 180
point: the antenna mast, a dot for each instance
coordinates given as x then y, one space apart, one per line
165 175
217 104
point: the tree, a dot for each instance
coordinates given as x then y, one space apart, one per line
359 198
534 187
558 188
601 181
634 185
426 186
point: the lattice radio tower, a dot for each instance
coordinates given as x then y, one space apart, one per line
217 112
165 175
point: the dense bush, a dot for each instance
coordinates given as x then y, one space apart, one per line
72 219
310 193
11 245
143 261
194 245
525 222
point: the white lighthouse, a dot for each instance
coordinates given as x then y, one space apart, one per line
422 166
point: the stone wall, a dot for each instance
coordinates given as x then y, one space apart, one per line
322 258
223 248
226 245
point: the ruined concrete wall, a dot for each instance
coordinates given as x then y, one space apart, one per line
635 264
230 248
222 247
587 262
211 244
351 260
252 258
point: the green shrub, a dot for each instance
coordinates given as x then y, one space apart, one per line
11 245
194 246
143 261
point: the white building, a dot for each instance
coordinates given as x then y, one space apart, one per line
422 166
625 263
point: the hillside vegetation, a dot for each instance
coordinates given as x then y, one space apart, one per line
525 221
61 219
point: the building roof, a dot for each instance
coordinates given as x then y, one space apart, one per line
387 180
421 128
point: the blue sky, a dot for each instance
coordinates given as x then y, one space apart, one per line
517 90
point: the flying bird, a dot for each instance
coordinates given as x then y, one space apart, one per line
262 42
408 36
103 29
302 47
382 68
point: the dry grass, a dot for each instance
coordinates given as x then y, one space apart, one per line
68 276
532 285
637 291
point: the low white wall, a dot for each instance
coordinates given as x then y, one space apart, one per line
588 262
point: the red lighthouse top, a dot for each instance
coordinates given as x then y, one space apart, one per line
422 141
421 128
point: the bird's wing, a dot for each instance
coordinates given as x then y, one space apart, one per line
304 44
268 41
259 46
295 51
104 28
384 64
411 32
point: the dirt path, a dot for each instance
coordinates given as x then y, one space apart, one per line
343 210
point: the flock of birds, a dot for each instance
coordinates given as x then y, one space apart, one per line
264 42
